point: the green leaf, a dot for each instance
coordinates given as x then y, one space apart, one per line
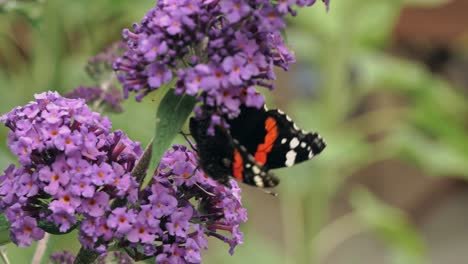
171 115
142 165
4 230
435 157
86 256
392 226
52 228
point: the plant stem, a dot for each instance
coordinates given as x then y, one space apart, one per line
3 255
40 250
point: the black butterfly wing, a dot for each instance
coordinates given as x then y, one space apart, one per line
215 152
249 128
291 144
273 138
245 168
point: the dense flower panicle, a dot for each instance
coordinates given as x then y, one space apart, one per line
76 173
105 96
176 212
89 94
72 166
110 99
115 257
100 66
222 49
64 257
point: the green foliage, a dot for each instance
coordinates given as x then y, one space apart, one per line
141 168
427 130
53 229
391 225
4 231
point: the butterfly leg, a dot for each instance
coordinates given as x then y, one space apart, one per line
185 135
198 185
270 192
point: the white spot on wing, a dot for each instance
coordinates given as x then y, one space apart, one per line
283 140
288 118
309 148
258 181
311 154
256 169
295 126
294 143
248 165
290 158
317 141
303 144
280 112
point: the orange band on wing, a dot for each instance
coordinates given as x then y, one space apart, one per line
238 166
270 138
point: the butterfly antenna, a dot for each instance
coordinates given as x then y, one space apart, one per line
203 189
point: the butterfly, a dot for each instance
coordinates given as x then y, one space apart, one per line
255 142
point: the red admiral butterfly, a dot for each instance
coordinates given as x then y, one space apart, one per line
258 140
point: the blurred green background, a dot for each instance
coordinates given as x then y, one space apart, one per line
385 83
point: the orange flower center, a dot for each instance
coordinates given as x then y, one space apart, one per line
55 177
66 198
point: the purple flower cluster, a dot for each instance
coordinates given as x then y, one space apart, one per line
72 167
74 172
105 96
219 48
64 257
100 67
176 212
110 99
